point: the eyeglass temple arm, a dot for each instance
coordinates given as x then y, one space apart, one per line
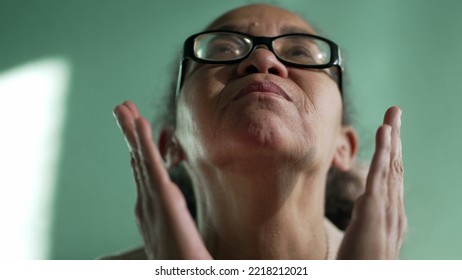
179 81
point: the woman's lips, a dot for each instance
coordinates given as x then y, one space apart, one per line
262 87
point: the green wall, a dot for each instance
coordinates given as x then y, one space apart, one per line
397 52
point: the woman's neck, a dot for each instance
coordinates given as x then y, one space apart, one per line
264 212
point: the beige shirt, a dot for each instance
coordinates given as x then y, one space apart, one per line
334 239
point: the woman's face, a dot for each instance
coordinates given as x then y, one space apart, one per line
258 107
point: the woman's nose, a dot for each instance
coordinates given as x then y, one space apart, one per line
262 60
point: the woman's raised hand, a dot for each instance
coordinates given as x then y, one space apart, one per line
379 222
165 224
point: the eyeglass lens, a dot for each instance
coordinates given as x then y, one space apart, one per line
222 46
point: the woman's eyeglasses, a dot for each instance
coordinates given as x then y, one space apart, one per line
297 49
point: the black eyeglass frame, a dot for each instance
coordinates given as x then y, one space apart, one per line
188 53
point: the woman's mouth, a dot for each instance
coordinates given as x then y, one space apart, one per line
262 87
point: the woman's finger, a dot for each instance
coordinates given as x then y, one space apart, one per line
378 173
126 114
150 157
126 121
395 181
393 118
139 182
396 218
134 164
130 105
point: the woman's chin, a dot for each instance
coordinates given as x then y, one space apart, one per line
264 135
264 140
265 130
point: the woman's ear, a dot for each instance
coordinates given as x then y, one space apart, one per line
347 149
169 147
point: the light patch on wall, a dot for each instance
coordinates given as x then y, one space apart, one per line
32 100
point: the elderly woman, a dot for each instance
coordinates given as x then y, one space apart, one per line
259 122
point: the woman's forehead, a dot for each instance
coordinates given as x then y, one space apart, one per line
262 17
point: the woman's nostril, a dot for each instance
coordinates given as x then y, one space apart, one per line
262 61
251 69
273 71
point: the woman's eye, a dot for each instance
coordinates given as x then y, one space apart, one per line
217 49
299 52
223 50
